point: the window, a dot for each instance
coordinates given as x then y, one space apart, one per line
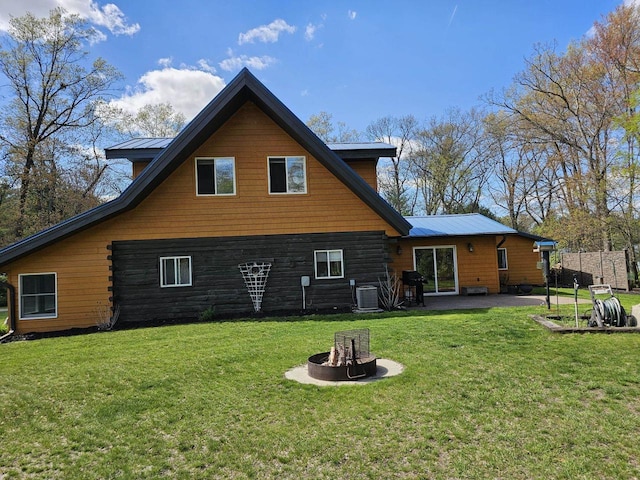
502 259
287 175
215 176
329 264
38 296
175 271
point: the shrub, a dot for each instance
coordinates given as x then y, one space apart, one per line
208 315
390 295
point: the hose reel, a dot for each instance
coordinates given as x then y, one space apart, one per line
607 312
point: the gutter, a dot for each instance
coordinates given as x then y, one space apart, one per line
12 310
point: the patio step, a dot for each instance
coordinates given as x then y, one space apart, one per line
476 290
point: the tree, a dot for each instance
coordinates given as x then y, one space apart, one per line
394 175
52 93
518 170
322 125
616 44
578 107
449 162
561 102
151 121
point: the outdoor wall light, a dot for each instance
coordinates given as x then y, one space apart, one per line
470 246
399 250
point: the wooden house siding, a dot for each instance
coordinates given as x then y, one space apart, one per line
251 137
477 268
218 283
137 168
522 261
367 170
172 210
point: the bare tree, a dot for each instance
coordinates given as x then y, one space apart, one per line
450 162
394 176
518 170
51 92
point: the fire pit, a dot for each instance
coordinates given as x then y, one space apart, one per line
349 358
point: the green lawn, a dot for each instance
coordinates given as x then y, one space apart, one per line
484 394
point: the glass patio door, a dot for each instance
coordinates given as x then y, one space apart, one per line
439 268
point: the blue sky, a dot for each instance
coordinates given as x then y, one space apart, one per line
357 60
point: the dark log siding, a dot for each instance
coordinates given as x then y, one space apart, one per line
218 283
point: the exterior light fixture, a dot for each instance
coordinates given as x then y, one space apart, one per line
470 246
399 250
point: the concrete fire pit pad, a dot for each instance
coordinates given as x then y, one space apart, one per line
386 368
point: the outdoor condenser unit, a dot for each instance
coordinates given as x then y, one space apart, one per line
367 297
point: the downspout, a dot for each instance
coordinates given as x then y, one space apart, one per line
504 239
12 310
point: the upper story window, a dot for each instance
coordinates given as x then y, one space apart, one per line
38 295
216 176
287 175
175 271
502 259
329 264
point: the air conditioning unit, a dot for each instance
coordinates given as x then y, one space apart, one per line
367 297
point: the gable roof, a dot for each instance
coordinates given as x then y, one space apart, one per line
244 87
456 225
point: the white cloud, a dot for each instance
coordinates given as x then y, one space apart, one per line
352 14
165 62
236 62
188 90
310 31
108 16
206 66
266 33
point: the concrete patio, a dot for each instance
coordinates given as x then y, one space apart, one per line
460 302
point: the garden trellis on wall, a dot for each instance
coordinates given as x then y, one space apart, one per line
255 276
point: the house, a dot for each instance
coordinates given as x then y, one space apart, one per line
245 184
468 253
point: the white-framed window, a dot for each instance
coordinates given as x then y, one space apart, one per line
329 264
216 176
287 175
502 259
175 271
38 295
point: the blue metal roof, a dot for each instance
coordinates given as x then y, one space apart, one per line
456 225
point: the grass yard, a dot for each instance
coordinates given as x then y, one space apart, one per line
484 394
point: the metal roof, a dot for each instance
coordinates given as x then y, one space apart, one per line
148 148
456 225
136 143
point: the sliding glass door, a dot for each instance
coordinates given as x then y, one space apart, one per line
439 268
